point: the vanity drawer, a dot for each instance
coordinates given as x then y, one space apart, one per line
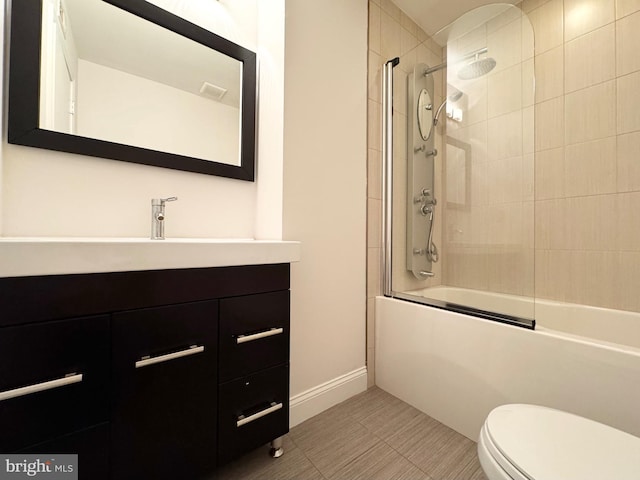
54 380
254 333
252 411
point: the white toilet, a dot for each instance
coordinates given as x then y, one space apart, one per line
529 442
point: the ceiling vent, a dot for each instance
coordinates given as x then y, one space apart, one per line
212 91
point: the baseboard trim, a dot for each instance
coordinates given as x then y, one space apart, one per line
318 399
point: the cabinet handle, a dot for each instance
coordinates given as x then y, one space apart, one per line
256 336
39 387
242 420
148 360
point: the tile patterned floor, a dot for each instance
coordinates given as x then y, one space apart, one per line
372 436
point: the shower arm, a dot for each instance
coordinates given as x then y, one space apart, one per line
437 115
464 57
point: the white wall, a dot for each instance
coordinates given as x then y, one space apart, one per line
325 187
120 107
47 193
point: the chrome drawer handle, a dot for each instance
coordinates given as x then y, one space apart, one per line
257 336
39 387
148 360
242 420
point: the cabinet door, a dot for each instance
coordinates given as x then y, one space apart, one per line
165 380
254 333
91 446
54 380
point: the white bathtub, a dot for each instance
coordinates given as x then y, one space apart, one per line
456 368
604 324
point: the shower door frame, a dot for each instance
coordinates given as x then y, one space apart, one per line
386 269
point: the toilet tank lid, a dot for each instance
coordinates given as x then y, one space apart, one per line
544 444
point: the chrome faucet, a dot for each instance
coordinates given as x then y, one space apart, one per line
157 217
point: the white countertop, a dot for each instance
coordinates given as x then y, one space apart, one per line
25 256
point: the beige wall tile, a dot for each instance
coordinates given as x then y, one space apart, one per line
628 103
408 61
583 16
528 83
474 102
547 21
374 174
549 119
628 229
528 178
504 136
593 278
590 59
506 180
400 92
389 36
374 216
528 130
591 222
626 7
408 41
467 268
371 323
505 45
505 91
590 168
628 44
628 163
508 16
374 76
480 185
549 171
391 9
528 5
552 274
549 74
374 27
590 113
627 281
550 221
374 125
506 225
373 272
407 23
528 39
507 269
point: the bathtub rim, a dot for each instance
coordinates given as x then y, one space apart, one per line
538 329
527 323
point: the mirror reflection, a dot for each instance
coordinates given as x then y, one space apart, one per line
109 75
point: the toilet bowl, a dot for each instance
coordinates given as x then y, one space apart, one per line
529 442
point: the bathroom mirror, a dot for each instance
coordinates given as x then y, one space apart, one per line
425 114
127 80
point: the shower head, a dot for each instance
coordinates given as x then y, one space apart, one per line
476 68
454 97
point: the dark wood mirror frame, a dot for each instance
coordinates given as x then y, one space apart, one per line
24 94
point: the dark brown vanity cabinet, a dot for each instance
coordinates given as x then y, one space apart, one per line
157 374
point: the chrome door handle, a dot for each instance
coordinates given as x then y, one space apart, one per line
39 387
242 420
257 336
148 360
